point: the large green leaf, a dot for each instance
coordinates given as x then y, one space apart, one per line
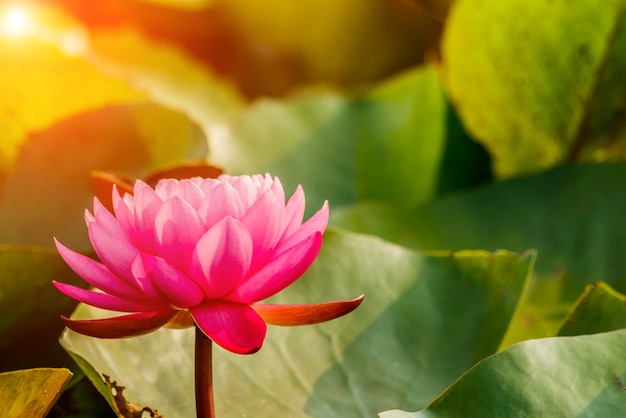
30 307
572 215
425 320
401 142
535 90
552 377
31 393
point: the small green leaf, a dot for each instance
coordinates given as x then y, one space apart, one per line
598 309
31 393
551 377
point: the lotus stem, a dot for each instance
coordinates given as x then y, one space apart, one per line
205 407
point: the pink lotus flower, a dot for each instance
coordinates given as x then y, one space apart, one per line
201 251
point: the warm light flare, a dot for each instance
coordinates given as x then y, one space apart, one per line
15 21
45 24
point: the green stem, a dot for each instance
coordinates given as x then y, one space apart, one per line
205 407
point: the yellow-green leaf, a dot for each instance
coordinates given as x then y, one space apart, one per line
540 82
40 85
50 186
31 393
599 309
166 73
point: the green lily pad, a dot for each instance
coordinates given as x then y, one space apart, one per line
571 215
31 393
552 377
535 91
291 139
401 142
425 320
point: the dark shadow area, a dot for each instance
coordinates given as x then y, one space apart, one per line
462 154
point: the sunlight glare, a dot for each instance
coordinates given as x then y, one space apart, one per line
73 42
15 21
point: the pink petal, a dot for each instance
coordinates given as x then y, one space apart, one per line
123 213
207 185
292 315
222 257
121 326
102 300
294 213
264 181
114 250
245 188
263 220
278 190
178 228
89 218
146 207
145 283
316 223
107 221
165 188
222 201
144 197
189 191
103 184
96 274
279 272
235 327
178 288
99 210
